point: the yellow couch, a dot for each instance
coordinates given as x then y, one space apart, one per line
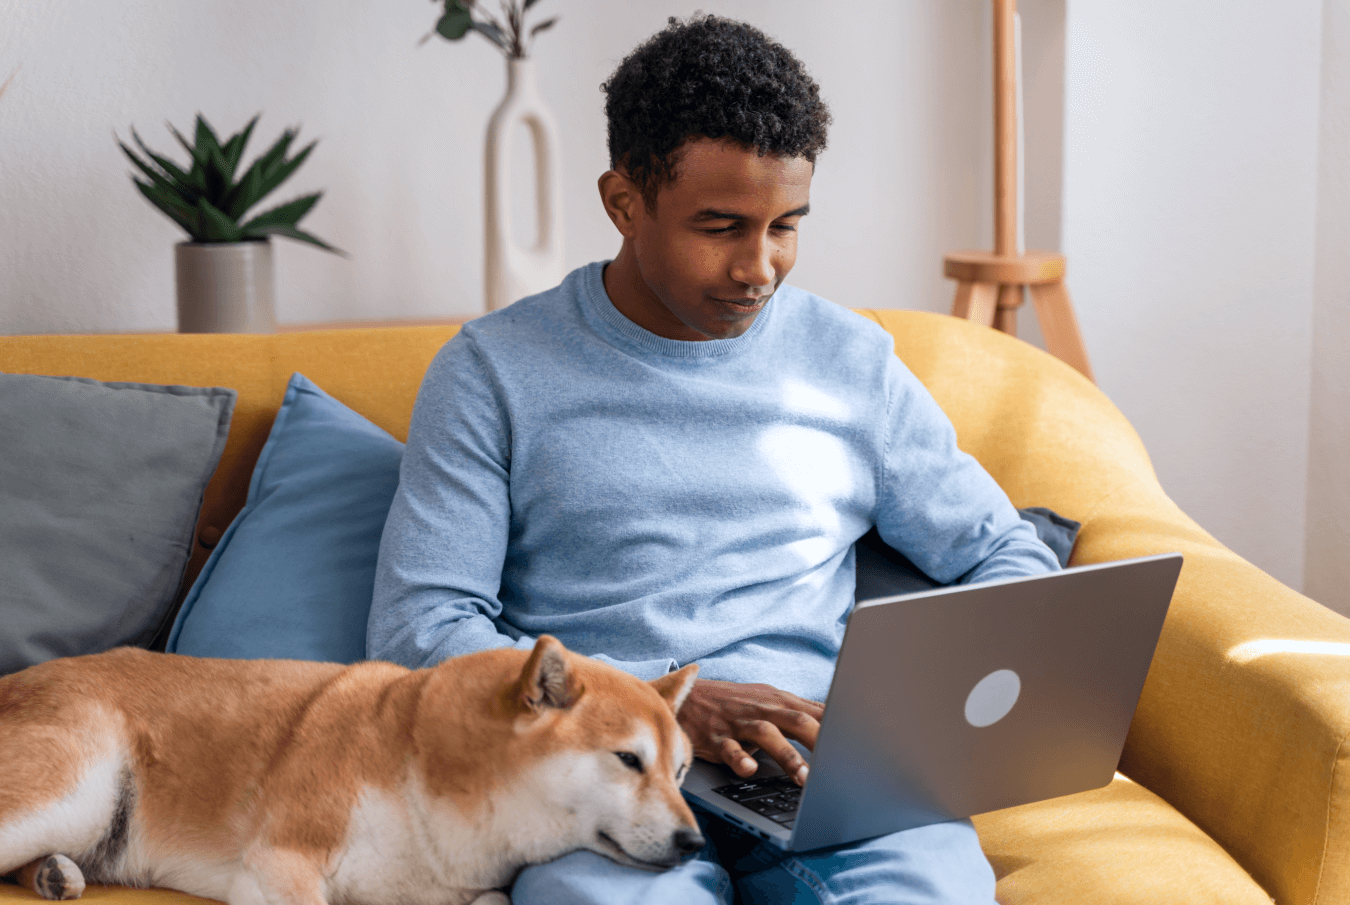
1236 760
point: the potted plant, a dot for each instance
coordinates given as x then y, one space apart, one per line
510 270
224 270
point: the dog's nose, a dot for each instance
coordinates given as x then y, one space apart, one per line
688 841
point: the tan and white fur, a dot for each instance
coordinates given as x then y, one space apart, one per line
308 783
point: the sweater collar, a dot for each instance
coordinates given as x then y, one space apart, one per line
616 326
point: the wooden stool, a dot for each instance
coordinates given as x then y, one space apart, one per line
989 292
989 285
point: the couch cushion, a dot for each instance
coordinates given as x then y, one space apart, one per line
108 895
292 577
1119 845
101 484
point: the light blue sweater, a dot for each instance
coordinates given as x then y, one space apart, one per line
654 502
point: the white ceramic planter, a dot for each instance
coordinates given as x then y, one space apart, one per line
224 288
513 271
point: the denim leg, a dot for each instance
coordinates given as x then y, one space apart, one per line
585 878
940 864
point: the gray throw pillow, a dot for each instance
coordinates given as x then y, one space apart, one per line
100 487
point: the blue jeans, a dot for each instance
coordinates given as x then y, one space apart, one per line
929 865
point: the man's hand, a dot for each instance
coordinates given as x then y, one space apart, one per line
728 721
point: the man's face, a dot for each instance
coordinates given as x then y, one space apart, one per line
721 240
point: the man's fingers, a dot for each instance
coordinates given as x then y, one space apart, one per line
734 756
814 709
771 739
798 725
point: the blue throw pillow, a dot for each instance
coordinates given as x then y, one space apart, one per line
293 575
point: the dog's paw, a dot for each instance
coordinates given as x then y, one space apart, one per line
56 877
496 897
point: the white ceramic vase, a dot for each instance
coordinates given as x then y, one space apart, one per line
513 271
224 287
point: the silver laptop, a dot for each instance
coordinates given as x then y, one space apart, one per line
961 700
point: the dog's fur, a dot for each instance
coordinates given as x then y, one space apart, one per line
309 783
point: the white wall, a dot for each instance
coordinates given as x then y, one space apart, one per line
400 152
1190 179
1174 158
1327 575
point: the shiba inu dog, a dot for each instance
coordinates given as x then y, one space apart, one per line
286 781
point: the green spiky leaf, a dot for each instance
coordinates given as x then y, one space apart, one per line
182 214
216 225
291 232
157 177
245 194
266 173
168 166
283 170
543 26
201 159
234 148
287 214
206 137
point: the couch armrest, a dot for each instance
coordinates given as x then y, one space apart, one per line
1243 720
1244 716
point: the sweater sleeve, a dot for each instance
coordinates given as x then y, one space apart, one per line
937 504
438 578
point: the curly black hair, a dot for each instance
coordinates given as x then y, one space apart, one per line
709 77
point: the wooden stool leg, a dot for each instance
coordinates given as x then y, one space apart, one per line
1059 326
1009 300
976 302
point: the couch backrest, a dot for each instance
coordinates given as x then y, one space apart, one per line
1045 433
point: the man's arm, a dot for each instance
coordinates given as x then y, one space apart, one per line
441 554
937 504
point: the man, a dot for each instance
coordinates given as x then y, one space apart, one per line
668 458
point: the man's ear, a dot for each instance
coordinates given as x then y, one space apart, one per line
675 686
621 200
546 681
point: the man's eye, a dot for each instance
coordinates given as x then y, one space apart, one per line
720 230
630 760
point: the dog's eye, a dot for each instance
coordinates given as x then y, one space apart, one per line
630 760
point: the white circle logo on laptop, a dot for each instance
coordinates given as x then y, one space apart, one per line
992 697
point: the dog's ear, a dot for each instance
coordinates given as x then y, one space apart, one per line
675 686
546 681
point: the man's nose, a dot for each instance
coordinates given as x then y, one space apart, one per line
754 264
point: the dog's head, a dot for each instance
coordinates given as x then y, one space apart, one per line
607 756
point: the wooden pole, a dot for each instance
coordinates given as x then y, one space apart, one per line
1005 155
1005 130
990 286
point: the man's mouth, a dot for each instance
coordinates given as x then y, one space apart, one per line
755 302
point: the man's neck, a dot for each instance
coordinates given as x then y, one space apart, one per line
625 287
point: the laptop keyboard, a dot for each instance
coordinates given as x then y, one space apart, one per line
775 798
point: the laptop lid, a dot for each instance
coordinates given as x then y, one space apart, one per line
972 698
